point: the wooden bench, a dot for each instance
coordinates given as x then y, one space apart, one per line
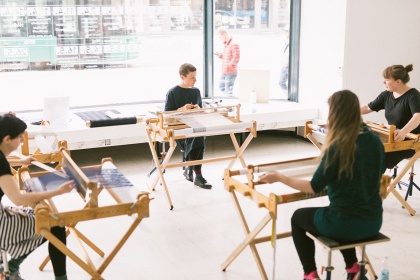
332 245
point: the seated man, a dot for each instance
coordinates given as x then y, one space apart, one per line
183 97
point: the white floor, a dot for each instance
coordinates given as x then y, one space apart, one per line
198 235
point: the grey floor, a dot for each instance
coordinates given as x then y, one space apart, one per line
191 241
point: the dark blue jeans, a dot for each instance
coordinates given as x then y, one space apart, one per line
284 76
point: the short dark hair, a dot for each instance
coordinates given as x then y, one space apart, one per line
398 72
186 68
11 125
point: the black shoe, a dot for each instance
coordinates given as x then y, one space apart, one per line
188 175
202 183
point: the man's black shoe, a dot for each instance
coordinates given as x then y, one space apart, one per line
202 183
188 175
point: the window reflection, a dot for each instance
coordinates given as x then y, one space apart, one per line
259 30
140 44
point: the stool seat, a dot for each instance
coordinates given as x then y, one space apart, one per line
332 245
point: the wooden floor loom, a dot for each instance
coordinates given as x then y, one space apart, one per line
386 133
44 150
170 126
90 181
246 182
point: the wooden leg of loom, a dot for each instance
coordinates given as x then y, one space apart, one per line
314 141
51 204
397 179
75 235
142 208
160 168
84 239
88 242
239 149
59 245
117 248
249 239
403 202
44 263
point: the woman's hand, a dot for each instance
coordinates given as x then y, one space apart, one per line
66 187
399 135
27 160
295 183
270 177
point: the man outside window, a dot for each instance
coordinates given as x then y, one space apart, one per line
230 59
284 74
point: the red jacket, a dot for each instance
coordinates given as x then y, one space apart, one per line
230 57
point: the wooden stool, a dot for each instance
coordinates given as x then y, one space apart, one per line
6 271
332 245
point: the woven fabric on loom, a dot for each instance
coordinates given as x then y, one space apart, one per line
95 115
107 177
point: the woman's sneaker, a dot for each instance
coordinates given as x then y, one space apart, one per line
311 276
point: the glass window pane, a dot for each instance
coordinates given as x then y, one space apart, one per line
122 51
96 51
259 29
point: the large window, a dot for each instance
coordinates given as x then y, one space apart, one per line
125 51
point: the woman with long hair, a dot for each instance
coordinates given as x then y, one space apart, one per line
350 167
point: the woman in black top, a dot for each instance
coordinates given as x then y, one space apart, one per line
17 224
402 108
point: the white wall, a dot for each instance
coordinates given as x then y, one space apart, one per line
362 36
380 33
321 51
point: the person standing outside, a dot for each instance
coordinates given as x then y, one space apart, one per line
351 168
185 97
284 74
230 59
402 109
